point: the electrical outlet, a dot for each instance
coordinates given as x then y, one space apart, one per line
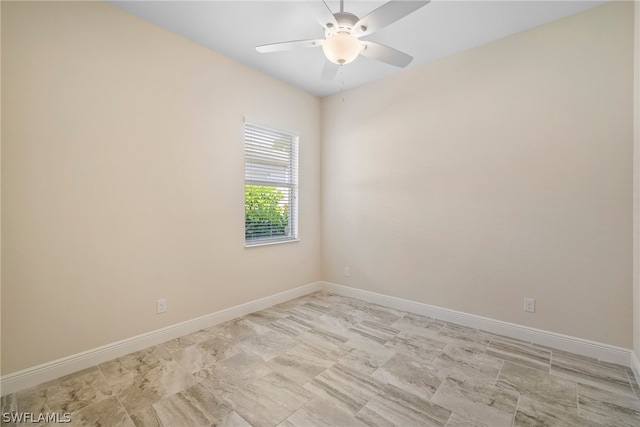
161 305
347 273
529 305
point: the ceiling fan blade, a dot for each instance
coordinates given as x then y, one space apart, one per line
322 13
329 70
386 54
387 14
297 44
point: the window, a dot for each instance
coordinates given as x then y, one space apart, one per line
270 185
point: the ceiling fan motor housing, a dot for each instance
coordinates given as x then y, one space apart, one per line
346 23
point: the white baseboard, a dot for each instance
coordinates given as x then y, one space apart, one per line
35 375
29 377
600 351
635 367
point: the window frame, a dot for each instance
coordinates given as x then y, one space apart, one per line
291 184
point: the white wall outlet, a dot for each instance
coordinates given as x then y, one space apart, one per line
161 305
347 273
529 305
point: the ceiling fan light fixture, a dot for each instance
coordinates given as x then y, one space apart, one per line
342 48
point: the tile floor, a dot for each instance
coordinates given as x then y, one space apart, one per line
327 360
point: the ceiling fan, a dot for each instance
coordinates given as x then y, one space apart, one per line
342 32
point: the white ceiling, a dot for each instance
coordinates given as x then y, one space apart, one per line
442 28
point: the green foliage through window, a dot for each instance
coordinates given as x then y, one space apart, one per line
265 214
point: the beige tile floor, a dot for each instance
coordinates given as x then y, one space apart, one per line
327 360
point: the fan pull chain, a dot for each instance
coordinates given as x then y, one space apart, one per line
342 84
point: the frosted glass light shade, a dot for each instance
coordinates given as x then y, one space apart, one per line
341 48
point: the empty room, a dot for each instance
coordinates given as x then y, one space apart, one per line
320 213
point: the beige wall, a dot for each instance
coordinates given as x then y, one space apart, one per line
122 169
499 173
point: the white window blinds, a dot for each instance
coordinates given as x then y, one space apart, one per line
271 184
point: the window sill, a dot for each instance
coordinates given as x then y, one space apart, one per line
280 242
